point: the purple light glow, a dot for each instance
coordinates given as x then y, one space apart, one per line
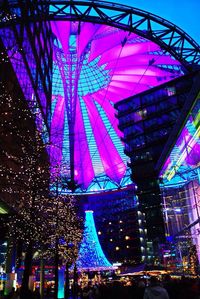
88 30
186 153
194 157
99 66
82 157
108 109
129 50
62 31
141 59
114 167
57 133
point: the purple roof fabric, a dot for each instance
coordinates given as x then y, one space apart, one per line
95 67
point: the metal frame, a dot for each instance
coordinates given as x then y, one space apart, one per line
42 59
170 37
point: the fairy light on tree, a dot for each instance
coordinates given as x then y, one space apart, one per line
91 256
41 218
66 230
24 175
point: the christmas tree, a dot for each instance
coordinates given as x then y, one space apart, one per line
91 256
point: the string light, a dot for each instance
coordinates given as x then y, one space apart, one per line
39 218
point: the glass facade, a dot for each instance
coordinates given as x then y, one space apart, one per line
29 48
180 185
119 224
74 74
147 121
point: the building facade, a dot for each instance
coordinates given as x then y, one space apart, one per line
71 68
180 187
119 224
147 121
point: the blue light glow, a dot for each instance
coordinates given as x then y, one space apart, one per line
96 160
182 164
91 256
61 280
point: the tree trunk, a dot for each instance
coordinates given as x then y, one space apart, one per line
75 283
42 277
56 246
56 270
27 270
67 281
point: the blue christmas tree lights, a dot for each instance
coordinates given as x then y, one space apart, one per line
91 256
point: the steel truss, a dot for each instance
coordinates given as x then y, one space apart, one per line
170 37
41 56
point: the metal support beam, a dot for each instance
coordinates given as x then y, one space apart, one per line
171 38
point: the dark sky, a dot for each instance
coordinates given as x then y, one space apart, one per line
183 13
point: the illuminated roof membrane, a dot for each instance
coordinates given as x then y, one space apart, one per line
96 66
183 161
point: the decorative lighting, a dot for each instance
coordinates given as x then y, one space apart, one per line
91 256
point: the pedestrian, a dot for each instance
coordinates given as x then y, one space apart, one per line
11 293
155 290
88 292
139 291
16 294
36 294
96 291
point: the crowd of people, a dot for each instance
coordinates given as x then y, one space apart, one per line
153 288
17 294
140 288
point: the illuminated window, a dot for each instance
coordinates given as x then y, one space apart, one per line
141 114
171 90
90 252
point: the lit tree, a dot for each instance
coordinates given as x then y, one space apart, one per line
66 232
187 254
24 175
41 220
